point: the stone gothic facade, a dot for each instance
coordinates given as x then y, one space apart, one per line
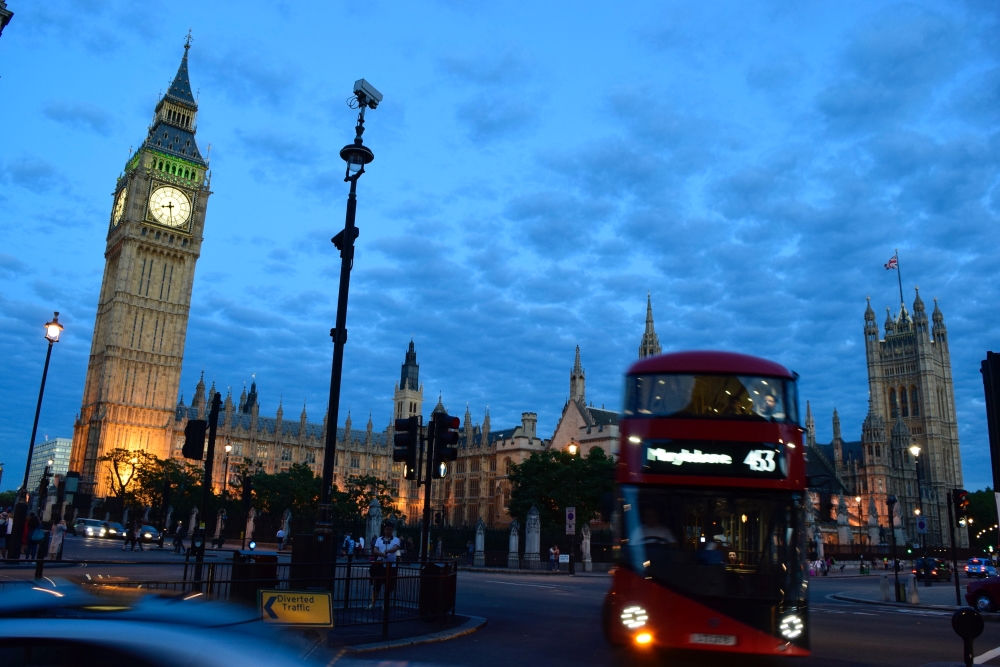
911 410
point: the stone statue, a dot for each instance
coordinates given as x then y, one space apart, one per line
193 523
532 540
843 528
374 526
513 551
166 523
286 524
220 521
251 516
479 558
588 563
145 515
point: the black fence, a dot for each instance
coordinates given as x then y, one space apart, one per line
363 592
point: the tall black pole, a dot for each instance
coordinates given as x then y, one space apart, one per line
891 502
339 335
34 428
425 523
198 539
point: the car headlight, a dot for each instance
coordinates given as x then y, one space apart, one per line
112 531
634 617
102 532
791 626
90 531
148 535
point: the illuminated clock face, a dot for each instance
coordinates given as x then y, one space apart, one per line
119 209
169 206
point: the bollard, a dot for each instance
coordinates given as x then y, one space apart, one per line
912 596
968 625
884 589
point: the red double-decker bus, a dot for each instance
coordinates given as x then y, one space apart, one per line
711 488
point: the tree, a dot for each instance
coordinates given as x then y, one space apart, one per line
555 480
8 498
362 489
983 512
124 467
185 485
297 490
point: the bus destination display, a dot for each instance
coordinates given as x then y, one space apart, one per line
714 458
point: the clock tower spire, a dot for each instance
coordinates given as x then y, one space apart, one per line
154 239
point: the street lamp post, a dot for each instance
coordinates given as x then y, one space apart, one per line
857 499
356 155
52 331
915 450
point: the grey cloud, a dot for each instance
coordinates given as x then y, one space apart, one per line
557 225
11 266
78 115
31 173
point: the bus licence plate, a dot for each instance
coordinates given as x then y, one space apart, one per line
714 640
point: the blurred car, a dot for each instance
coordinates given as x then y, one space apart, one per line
940 570
113 529
89 528
63 624
979 567
983 595
146 534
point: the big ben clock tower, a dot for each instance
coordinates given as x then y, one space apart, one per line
154 240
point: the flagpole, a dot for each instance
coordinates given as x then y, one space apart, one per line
899 276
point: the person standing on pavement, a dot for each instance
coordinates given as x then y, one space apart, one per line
281 539
33 536
57 532
5 527
385 550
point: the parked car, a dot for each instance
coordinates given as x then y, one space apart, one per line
940 570
113 530
979 567
89 528
983 595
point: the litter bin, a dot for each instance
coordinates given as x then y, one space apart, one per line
437 590
252 570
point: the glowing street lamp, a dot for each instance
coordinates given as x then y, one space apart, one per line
52 331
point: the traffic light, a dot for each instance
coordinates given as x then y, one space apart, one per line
445 439
194 439
406 443
167 488
247 492
960 498
439 520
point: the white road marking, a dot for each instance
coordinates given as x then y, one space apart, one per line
989 655
511 583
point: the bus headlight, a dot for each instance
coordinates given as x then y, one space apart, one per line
634 617
791 626
643 638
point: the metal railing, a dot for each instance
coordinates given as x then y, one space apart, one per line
363 592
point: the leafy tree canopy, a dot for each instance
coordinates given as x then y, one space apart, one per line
555 480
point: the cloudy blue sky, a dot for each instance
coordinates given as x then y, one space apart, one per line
538 169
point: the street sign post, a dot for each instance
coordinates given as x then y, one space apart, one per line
299 608
571 521
921 525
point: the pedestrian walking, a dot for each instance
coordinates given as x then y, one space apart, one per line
33 536
348 545
439 549
5 527
556 558
179 537
470 552
56 534
385 551
281 539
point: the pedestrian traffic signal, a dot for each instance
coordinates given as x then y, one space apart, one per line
247 492
194 439
445 439
438 519
406 442
960 498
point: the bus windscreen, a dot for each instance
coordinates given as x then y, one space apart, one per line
711 396
715 543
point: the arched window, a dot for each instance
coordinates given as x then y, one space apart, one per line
903 403
878 451
914 402
507 463
870 451
893 410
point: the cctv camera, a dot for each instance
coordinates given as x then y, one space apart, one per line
367 94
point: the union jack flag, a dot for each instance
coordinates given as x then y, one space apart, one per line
892 263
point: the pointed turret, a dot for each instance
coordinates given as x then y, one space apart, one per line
439 408
810 426
890 324
578 381
409 375
303 420
939 330
836 425
650 344
198 402
174 124
243 399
